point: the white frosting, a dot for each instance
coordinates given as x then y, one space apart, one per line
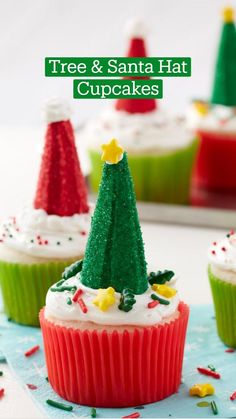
136 28
57 308
151 131
218 118
57 110
34 232
222 258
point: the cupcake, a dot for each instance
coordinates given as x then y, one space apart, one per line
113 335
161 149
215 121
222 275
37 244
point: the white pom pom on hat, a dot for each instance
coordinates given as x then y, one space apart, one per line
56 110
136 28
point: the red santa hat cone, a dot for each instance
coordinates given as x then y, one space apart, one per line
61 188
137 48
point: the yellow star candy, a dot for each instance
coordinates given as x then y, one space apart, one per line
228 14
202 390
105 298
164 290
112 152
201 107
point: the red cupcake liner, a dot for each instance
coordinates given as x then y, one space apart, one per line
216 161
114 368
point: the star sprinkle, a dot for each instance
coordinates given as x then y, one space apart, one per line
105 298
164 290
228 15
112 152
202 108
202 390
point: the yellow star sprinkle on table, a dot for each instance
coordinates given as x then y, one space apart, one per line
105 298
201 107
164 290
202 390
112 152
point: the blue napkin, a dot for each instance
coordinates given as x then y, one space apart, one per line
203 347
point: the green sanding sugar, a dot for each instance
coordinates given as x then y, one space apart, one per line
114 255
203 404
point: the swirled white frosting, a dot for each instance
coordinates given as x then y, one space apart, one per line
222 258
36 233
58 309
218 118
138 133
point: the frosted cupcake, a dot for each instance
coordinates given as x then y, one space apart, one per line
37 244
161 149
222 275
215 121
121 333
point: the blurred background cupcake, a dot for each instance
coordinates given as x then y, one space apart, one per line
161 149
222 275
215 121
38 243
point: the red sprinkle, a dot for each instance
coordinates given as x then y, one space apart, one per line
40 242
231 232
77 294
213 252
230 350
233 396
133 415
214 243
1 241
32 350
153 304
38 237
45 241
223 249
83 307
32 386
209 372
83 233
1 392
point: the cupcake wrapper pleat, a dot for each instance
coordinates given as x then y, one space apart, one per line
113 368
24 288
158 178
224 297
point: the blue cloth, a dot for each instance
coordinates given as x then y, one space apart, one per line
203 347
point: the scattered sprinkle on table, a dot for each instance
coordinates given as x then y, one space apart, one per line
1 373
2 360
203 404
233 396
230 350
139 407
209 372
58 405
133 415
214 408
1 392
32 350
46 378
32 386
93 413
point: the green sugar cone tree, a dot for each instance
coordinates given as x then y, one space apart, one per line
224 87
114 255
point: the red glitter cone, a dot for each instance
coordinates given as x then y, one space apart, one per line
137 48
112 368
61 186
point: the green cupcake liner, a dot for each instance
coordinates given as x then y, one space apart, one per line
158 178
224 297
24 288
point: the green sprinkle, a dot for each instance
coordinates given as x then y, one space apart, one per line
58 243
228 235
65 288
203 404
32 241
161 300
127 300
1 373
68 301
70 239
10 235
60 282
214 407
46 378
73 269
160 277
211 367
2 360
59 405
93 413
